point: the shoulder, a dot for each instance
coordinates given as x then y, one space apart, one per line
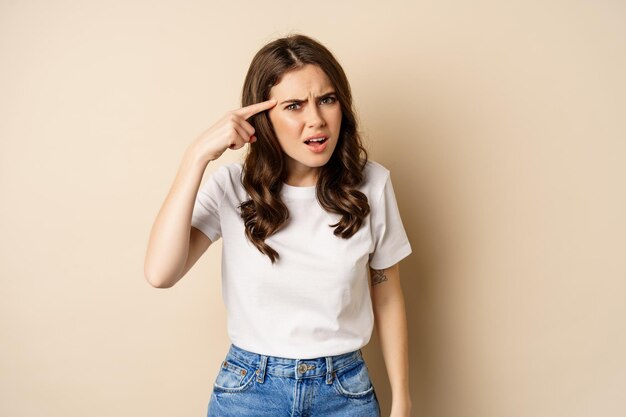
230 169
375 170
375 176
228 173
225 180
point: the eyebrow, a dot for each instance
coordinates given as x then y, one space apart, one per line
295 100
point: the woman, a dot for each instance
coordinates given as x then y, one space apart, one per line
303 220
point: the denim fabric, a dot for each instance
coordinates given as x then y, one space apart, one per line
249 384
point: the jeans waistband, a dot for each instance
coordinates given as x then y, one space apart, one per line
295 368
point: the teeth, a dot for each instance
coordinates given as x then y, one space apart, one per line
316 140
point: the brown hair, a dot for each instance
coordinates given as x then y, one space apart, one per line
264 169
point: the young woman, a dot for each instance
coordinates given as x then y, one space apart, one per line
303 220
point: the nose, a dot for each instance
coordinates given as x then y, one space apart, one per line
314 116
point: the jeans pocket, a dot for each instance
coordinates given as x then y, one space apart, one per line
354 382
234 376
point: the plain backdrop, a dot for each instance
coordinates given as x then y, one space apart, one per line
502 123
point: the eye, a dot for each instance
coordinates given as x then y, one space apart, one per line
332 99
290 107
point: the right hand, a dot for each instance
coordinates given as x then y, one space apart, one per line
232 131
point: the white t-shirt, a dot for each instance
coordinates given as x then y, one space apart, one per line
315 300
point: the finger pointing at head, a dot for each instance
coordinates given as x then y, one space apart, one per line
253 109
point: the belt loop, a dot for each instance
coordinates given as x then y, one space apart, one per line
260 373
329 370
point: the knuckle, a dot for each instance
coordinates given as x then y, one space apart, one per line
249 127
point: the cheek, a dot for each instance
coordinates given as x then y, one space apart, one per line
335 117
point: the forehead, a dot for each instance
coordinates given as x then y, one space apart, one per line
298 83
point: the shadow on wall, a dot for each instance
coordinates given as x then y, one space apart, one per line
405 152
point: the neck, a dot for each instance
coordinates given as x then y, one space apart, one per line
302 176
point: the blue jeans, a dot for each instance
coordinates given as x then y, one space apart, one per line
253 385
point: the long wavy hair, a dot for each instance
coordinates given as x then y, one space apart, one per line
264 168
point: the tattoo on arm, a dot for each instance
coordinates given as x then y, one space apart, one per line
378 276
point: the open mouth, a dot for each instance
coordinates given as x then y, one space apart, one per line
316 145
317 141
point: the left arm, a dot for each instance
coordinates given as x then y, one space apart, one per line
391 325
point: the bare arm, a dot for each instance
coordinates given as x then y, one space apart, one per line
391 325
174 246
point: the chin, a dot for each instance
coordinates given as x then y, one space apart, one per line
318 163
315 161
310 159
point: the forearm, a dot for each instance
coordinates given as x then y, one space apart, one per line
169 239
391 326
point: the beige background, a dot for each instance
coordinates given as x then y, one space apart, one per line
502 123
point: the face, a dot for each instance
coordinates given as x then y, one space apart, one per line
307 107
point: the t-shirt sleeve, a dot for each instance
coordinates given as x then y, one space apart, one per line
206 210
391 242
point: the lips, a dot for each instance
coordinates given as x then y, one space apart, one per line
316 145
314 141
319 138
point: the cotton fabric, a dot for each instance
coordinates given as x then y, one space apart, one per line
315 300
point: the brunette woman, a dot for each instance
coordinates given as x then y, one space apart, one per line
311 240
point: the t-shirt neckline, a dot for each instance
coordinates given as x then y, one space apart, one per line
293 191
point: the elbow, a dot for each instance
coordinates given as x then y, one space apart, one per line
157 281
159 284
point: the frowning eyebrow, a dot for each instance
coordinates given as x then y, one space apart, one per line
295 100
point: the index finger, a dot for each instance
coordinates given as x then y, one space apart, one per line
255 108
